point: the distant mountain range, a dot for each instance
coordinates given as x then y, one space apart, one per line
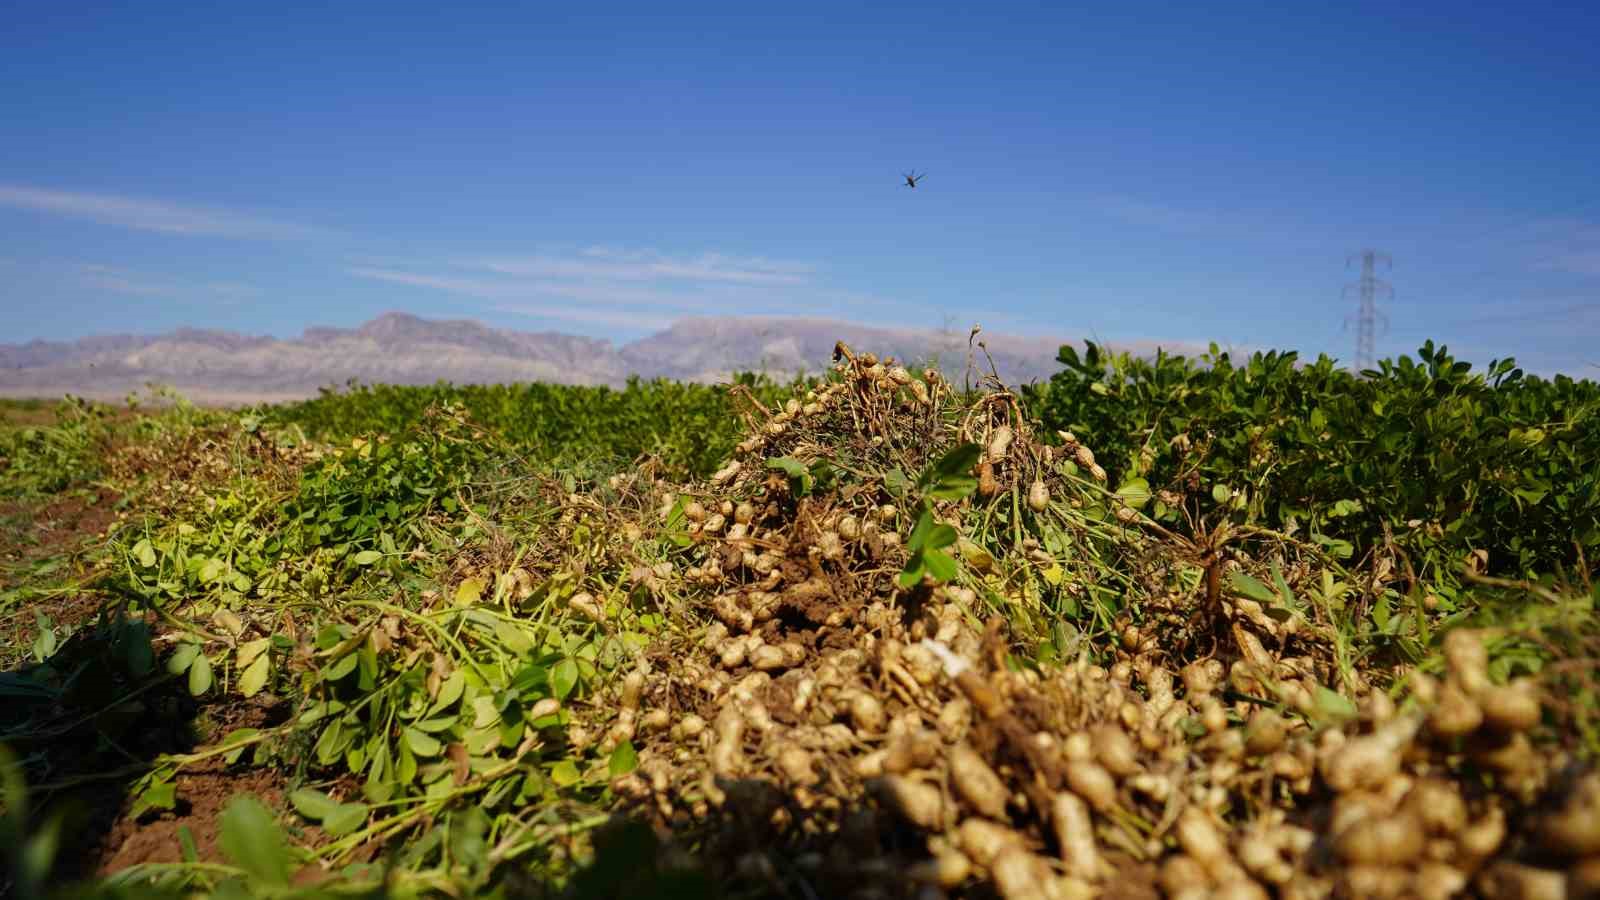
226 368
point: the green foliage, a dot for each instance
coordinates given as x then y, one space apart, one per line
253 841
47 459
1422 454
350 500
348 510
337 819
805 479
690 428
948 478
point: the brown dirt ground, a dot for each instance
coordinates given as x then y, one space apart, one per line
32 531
23 417
203 793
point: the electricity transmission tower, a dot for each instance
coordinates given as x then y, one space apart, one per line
1368 316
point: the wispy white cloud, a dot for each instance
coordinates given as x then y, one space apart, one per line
1522 310
1558 244
592 316
232 289
1578 254
143 284
104 277
120 281
472 287
705 300
1581 262
607 285
599 304
519 298
513 289
155 215
611 264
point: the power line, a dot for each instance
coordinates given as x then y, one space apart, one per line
1368 316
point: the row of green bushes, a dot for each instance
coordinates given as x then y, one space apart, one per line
1423 455
690 428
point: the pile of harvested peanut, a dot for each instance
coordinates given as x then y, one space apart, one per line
830 732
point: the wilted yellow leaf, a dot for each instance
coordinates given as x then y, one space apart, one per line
469 591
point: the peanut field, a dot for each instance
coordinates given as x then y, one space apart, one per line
1155 628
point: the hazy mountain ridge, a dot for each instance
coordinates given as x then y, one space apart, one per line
225 367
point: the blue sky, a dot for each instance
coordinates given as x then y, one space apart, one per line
1135 171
